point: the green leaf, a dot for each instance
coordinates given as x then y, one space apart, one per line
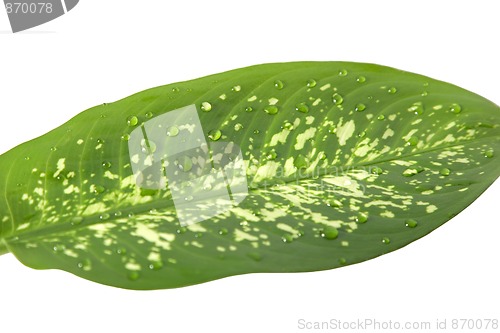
344 162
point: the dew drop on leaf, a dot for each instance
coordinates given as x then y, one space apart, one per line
302 107
329 233
106 165
287 238
206 106
392 90
337 99
412 141
133 276
172 131
360 107
362 217
271 109
343 72
85 265
455 108
149 114
386 240
361 79
238 127
132 121
489 153
445 172
311 83
411 223
76 220
278 84
249 109
156 265
125 137
214 135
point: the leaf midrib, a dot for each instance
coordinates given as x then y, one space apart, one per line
61 228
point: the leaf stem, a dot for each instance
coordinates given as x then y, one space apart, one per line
3 247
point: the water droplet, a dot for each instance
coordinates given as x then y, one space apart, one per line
125 137
381 117
455 108
59 247
173 131
361 79
223 231
27 158
118 213
424 93
148 147
287 238
362 217
334 203
416 108
386 240
106 165
377 171
185 163
271 109
53 148
85 265
121 251
329 233
238 127
206 106
412 141
302 107
236 88
182 230
104 216
392 90
98 189
445 172
342 261
362 134
189 198
132 121
249 109
288 125
256 131
343 72
412 171
156 265
337 99
133 275
360 107
411 223
272 155
76 220
311 83
149 114
255 256
278 84
214 135
489 153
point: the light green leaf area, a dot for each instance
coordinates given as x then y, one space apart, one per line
344 162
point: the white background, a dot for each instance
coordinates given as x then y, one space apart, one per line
102 51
